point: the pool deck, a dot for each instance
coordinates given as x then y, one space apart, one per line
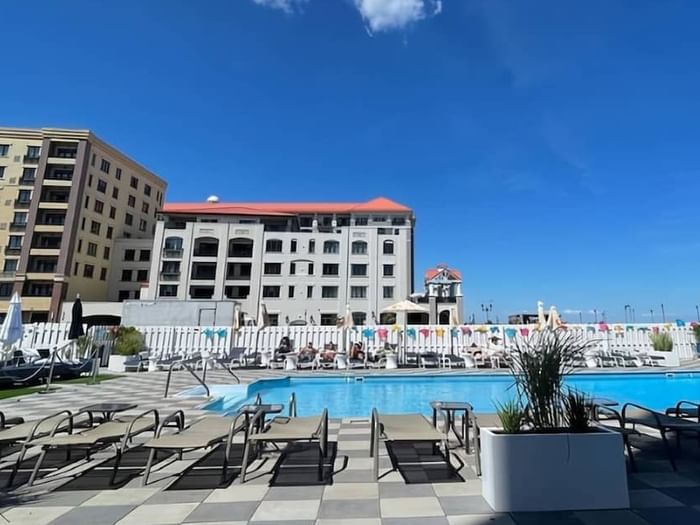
658 495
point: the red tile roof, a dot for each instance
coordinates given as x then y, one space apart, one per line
378 205
431 273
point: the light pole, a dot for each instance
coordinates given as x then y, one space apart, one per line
663 313
651 311
595 315
628 308
580 318
697 312
486 309
634 316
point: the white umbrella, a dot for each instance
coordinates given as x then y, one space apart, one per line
541 320
406 307
554 321
262 322
454 323
11 330
347 324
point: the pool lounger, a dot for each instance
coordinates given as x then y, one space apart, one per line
287 430
110 432
402 427
639 415
202 433
685 409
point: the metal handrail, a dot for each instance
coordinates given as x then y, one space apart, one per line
293 405
187 367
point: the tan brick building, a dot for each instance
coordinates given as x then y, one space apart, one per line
65 197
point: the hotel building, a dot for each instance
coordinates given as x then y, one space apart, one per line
304 261
65 198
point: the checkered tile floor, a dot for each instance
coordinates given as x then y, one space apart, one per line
77 495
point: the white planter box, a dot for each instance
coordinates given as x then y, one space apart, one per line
116 363
547 472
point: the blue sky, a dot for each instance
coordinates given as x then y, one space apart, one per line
549 149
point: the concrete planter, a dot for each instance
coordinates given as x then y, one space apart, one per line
547 472
116 363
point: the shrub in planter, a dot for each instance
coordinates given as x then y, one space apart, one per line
661 342
548 457
128 341
696 333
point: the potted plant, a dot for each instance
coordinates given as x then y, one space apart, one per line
127 342
547 456
661 342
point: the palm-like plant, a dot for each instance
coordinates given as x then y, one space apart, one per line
539 364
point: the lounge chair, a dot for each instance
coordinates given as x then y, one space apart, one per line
205 432
685 409
451 360
602 415
639 415
429 359
288 430
9 421
402 428
118 432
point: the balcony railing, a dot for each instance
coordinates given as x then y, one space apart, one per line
27 181
13 250
31 159
64 153
21 203
169 276
172 253
15 226
7 275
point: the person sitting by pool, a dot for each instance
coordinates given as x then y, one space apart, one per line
357 352
329 351
307 353
284 348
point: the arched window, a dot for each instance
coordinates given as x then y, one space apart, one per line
388 248
172 247
359 248
331 247
206 247
240 247
444 317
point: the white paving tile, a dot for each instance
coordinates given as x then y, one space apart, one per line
238 493
286 511
164 514
122 496
351 491
27 515
410 507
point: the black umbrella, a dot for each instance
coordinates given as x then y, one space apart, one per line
76 322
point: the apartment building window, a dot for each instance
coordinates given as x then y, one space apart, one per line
99 206
358 270
88 271
129 255
33 152
142 276
115 193
14 242
112 212
330 269
312 246
118 174
359 318
104 166
293 247
311 268
28 176
101 186
147 190
19 219
272 269
398 221
95 227
290 292
134 183
309 292
240 247
145 255
90 181
80 245
388 247
128 219
106 253
144 207
6 289
388 270
270 292
110 230
92 160
87 201
329 319
168 290
358 292
82 223
2 172
10 265
131 201
388 292
361 221
143 225
103 274
24 196
237 292
123 295
92 249
292 268
4 148
273 245
359 248
126 275
206 247
238 271
331 247
329 292
76 267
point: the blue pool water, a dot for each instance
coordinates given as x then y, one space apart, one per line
346 397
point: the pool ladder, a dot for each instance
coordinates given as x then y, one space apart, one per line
185 363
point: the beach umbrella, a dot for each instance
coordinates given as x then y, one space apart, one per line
11 330
347 324
541 320
553 321
262 321
454 323
406 307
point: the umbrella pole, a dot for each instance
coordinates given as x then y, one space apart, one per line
50 376
404 334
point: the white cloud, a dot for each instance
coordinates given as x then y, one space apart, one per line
288 6
388 15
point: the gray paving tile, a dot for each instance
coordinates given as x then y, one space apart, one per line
59 499
465 505
480 519
610 517
686 495
350 476
103 515
294 493
178 496
670 515
640 499
359 508
233 511
545 518
401 490
435 520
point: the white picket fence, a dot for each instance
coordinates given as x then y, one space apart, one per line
163 341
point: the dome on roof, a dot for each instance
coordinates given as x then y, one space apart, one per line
213 199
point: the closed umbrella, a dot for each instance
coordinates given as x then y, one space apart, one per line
347 324
262 321
541 320
454 323
406 307
76 322
11 330
553 321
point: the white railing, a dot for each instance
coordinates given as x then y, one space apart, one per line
185 341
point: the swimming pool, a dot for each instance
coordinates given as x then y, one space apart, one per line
350 397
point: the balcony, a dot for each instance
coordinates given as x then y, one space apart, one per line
172 253
27 181
22 203
13 250
7 275
17 226
169 276
31 159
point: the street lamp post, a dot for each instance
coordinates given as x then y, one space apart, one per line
595 315
580 317
663 313
697 312
486 309
628 308
651 311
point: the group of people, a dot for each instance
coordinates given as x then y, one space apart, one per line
309 353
